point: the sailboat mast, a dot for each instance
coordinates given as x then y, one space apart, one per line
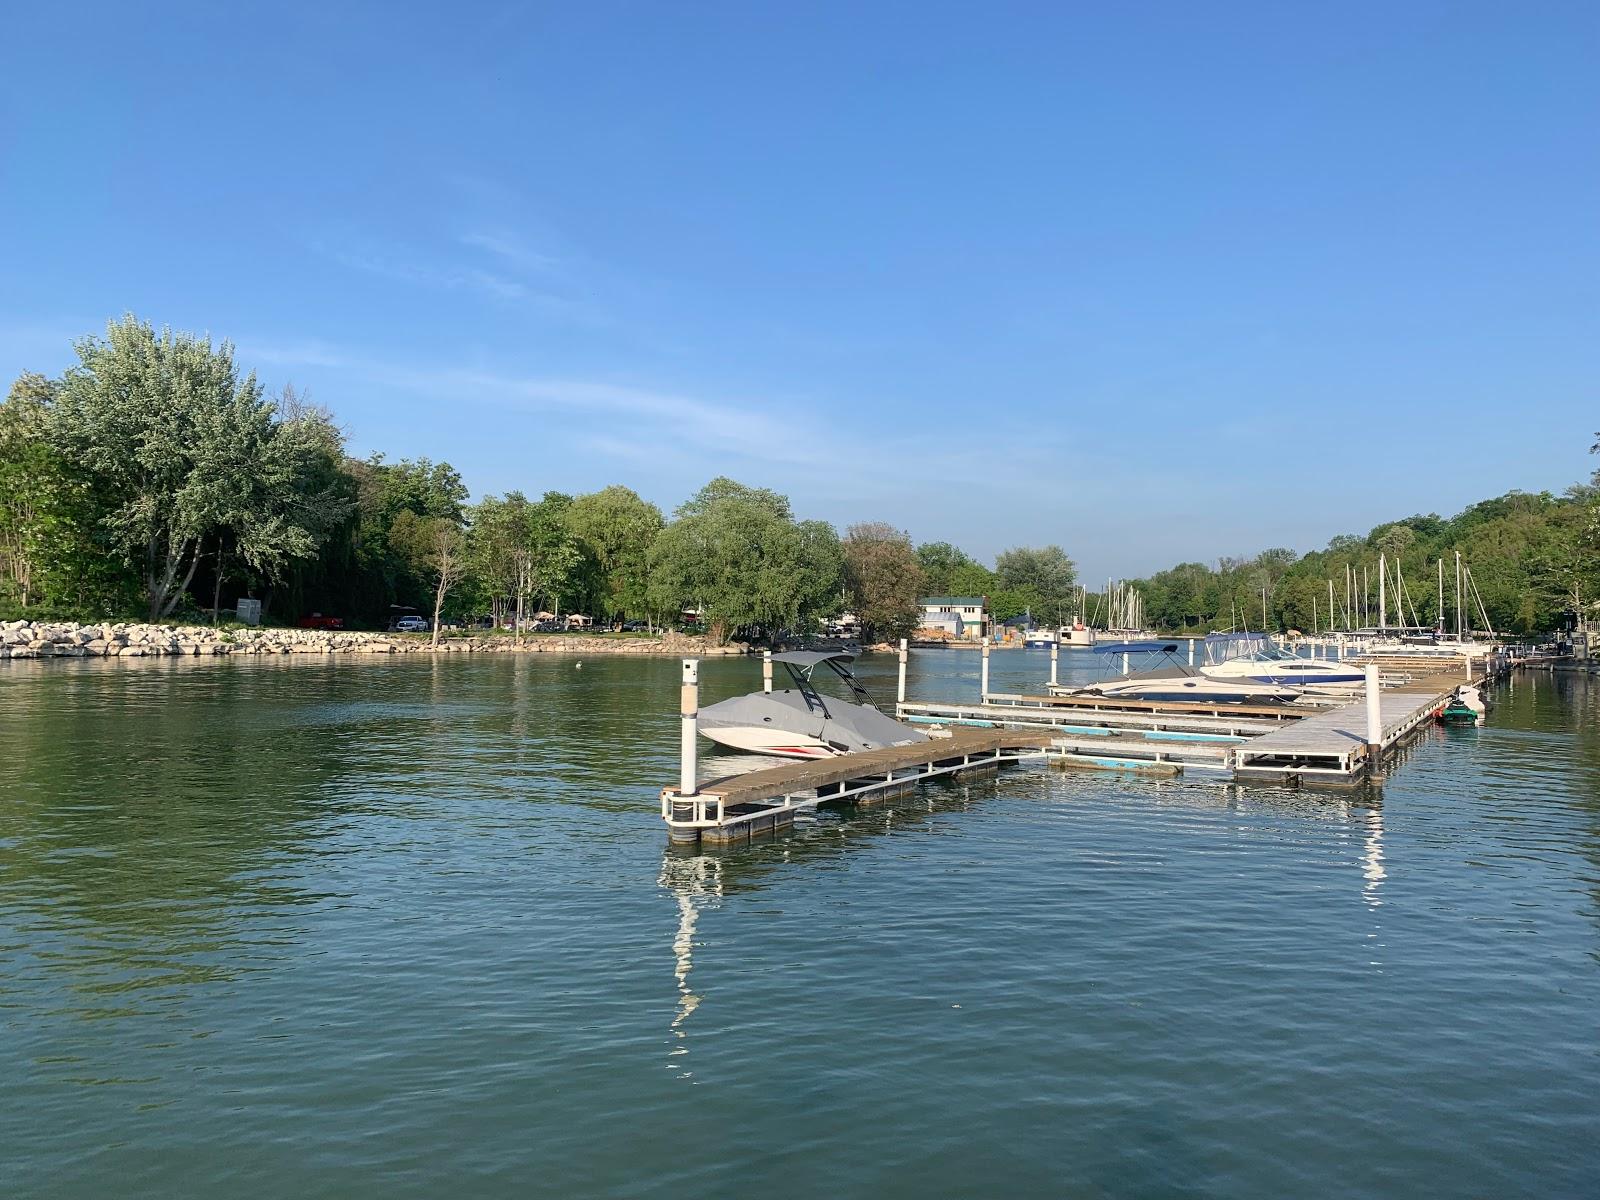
1439 623
1383 595
1460 631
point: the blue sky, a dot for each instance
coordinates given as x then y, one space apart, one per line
1153 281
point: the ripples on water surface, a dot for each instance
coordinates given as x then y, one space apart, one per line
299 928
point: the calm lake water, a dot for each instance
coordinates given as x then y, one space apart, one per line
412 929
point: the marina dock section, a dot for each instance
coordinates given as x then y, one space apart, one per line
1338 741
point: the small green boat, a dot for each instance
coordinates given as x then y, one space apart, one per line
1457 713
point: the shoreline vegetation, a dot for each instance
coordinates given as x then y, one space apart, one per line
155 479
70 639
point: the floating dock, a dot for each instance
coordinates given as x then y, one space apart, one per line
1333 741
735 807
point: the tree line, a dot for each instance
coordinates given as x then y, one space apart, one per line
153 479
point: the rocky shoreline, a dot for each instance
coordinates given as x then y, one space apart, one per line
67 639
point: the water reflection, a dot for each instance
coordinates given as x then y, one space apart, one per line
1372 868
695 882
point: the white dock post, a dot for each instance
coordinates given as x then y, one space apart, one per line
1124 662
1191 652
689 714
766 670
900 692
1374 712
983 677
1055 660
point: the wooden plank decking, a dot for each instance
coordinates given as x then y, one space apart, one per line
810 774
1336 740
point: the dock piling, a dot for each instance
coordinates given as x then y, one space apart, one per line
983 674
1191 653
766 670
900 689
689 714
1374 712
1055 658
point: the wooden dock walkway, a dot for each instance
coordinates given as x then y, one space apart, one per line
1272 712
1002 711
1289 744
736 806
1331 746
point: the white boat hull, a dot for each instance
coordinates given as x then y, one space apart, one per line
766 740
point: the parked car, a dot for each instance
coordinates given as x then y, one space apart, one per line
411 625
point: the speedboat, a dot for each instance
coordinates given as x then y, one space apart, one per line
1177 681
1232 656
801 722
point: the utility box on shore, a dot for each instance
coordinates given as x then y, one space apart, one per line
248 611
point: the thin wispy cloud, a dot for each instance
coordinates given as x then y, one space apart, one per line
432 276
509 248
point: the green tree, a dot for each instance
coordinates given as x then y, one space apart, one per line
183 452
38 493
436 548
1042 577
969 579
939 562
738 554
883 580
617 528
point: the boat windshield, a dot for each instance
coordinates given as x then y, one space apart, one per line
1250 647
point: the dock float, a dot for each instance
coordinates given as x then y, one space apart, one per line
735 807
1346 746
1342 745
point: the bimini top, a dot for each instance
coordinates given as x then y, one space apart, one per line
812 658
1137 648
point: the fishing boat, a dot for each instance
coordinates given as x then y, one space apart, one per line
1041 637
800 721
1176 681
1255 657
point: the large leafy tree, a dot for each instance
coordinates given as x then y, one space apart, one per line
883 579
738 554
1040 579
939 562
616 529
183 452
497 551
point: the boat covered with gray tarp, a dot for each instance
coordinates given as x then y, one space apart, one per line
800 721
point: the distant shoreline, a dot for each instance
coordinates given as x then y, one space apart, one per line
70 639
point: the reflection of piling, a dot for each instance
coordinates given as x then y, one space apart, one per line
900 691
689 716
766 670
